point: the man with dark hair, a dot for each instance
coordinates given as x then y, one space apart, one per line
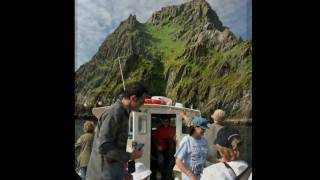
109 154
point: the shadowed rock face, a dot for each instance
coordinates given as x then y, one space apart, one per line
183 52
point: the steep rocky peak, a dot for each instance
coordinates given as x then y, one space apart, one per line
126 40
130 23
195 12
199 3
132 20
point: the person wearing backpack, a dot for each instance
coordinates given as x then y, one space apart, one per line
231 167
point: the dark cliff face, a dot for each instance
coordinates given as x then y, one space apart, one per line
183 52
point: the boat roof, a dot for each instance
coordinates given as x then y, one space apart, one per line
99 110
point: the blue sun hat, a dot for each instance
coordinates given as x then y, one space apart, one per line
200 122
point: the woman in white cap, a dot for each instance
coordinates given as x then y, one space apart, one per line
141 172
193 151
231 167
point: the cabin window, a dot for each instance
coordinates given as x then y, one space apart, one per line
185 128
173 121
142 124
130 127
156 120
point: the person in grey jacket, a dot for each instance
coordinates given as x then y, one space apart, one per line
109 157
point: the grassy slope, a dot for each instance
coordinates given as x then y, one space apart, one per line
162 41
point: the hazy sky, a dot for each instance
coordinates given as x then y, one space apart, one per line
95 19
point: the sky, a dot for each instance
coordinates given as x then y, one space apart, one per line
95 19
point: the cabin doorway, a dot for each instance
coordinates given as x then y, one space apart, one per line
163 146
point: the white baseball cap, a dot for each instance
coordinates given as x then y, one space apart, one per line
141 171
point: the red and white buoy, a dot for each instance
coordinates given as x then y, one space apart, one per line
158 100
